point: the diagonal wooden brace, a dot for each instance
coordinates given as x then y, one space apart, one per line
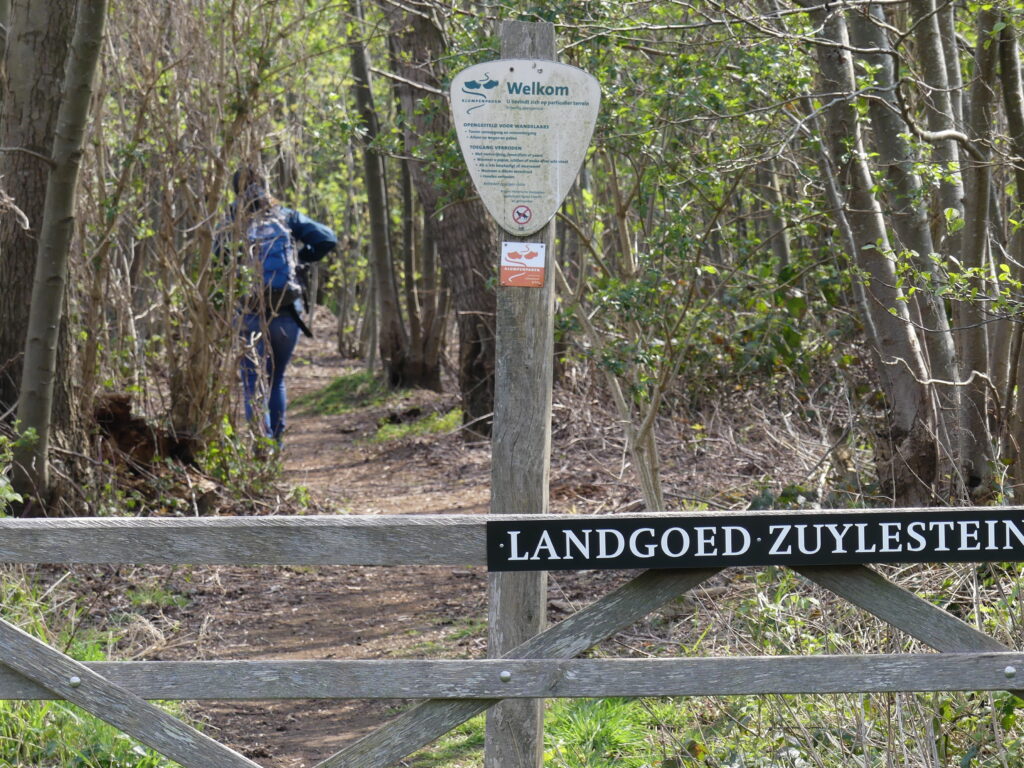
428 721
904 610
74 682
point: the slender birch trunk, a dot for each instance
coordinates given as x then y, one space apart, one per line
910 222
1012 82
31 466
392 337
907 468
971 316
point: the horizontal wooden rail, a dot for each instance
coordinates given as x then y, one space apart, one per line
545 678
293 540
312 540
542 667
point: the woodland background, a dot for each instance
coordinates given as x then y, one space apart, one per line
817 201
820 202
804 218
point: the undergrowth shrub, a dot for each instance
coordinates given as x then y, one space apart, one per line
56 734
7 494
244 464
430 424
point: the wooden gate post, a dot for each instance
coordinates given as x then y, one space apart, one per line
521 454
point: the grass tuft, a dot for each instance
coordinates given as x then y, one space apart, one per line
345 394
431 424
55 734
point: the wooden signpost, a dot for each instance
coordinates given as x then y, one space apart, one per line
524 124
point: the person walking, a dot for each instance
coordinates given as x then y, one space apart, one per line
271 242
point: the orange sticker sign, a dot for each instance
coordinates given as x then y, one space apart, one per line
522 265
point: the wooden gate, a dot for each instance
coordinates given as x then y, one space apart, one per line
452 691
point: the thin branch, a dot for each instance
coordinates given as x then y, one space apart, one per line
585 239
48 160
932 137
7 204
406 81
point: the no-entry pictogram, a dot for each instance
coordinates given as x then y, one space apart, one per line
522 214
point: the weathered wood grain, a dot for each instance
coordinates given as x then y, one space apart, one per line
312 540
545 678
970 661
521 453
431 719
300 540
126 711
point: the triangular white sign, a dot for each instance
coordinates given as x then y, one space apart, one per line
524 126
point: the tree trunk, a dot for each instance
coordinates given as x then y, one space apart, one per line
907 460
425 343
1013 99
777 228
465 235
978 460
433 297
409 243
945 13
5 20
38 38
910 222
940 113
393 339
31 476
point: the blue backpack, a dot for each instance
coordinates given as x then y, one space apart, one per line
270 244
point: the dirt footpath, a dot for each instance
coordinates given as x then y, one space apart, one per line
339 612
355 612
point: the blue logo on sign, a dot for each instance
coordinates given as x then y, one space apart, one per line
477 88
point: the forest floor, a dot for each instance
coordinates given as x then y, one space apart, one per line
301 613
343 612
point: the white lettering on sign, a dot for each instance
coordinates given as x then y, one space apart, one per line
838 536
649 547
672 541
603 551
730 540
780 532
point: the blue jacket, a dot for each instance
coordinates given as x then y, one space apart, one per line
317 240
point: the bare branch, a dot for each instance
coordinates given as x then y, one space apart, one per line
30 153
7 204
406 81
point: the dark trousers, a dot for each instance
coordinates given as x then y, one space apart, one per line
267 406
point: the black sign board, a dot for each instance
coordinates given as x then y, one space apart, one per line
825 538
